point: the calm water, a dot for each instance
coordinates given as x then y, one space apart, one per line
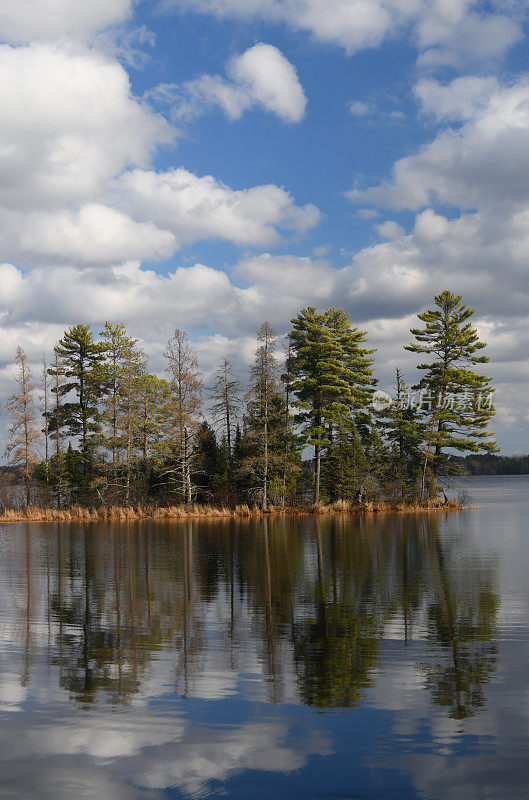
302 659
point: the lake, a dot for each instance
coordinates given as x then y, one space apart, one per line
301 658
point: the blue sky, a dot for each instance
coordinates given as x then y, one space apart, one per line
209 164
317 160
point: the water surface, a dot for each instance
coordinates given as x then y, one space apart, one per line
332 658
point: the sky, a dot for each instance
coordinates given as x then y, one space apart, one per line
211 164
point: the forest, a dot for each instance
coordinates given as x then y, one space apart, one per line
493 464
97 428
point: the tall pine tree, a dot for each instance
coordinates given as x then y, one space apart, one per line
80 360
456 400
331 377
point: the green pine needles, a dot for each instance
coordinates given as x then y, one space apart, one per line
307 428
456 400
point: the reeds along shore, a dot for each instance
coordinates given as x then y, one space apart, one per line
182 512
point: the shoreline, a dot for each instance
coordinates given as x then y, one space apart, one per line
240 512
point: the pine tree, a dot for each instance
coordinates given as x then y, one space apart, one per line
289 421
155 403
80 359
269 449
119 346
123 379
223 478
316 370
206 463
332 377
456 400
55 427
405 437
345 468
357 361
23 435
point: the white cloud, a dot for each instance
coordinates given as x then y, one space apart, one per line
482 161
69 125
94 234
445 32
272 80
360 109
71 137
195 207
261 76
26 20
457 101
383 288
389 230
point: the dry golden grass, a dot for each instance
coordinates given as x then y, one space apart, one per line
195 511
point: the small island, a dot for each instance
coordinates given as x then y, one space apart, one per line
309 433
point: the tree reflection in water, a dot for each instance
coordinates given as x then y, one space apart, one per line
309 601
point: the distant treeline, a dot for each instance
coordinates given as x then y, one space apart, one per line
491 464
109 431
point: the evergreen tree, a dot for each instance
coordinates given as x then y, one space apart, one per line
405 435
345 469
123 379
223 478
268 446
80 360
457 401
55 427
155 400
119 346
332 377
206 463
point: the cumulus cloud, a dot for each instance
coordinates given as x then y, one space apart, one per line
195 207
383 288
261 76
69 124
480 161
445 33
93 234
73 141
389 230
80 197
27 20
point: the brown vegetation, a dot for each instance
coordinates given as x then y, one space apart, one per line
194 511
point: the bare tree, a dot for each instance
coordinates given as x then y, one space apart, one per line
24 437
226 397
264 390
130 411
185 382
45 382
55 425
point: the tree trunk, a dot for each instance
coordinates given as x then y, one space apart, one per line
317 463
187 469
265 470
129 443
228 421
